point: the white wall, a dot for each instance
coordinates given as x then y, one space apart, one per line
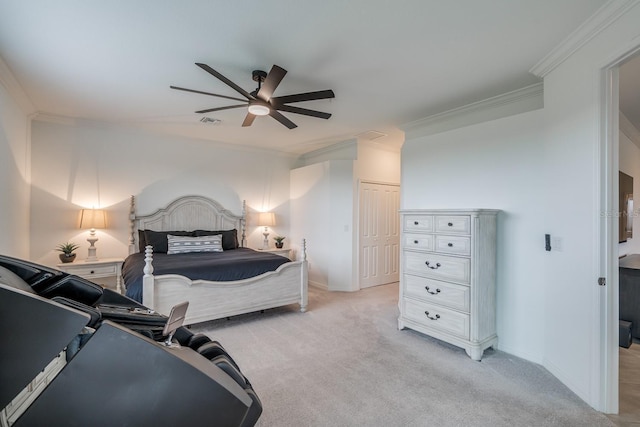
324 205
544 169
14 176
84 164
630 164
321 206
495 165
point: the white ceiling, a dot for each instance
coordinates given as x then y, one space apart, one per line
388 62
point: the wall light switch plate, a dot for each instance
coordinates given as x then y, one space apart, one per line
556 244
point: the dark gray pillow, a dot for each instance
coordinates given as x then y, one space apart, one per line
142 242
158 239
229 237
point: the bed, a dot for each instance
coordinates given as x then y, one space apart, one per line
160 282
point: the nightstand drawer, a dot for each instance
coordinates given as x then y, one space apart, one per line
94 271
433 316
437 292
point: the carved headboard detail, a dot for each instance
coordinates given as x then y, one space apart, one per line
187 213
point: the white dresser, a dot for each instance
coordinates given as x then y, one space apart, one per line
448 276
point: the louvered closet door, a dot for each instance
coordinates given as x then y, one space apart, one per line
379 234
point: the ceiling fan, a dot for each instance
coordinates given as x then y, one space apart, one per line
261 101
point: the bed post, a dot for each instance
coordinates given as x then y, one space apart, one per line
148 287
304 297
243 223
132 226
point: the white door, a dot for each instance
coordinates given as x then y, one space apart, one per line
379 234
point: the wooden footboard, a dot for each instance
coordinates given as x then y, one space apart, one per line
214 300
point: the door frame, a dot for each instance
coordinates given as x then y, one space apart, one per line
607 250
356 272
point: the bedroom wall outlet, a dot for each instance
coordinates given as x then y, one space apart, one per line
547 242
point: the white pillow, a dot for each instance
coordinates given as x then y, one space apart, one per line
186 244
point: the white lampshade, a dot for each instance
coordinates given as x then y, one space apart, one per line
93 218
267 219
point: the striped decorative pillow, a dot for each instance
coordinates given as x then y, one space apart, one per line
186 244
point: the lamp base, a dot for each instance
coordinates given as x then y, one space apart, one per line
91 255
265 242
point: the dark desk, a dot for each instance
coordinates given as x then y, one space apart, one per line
630 291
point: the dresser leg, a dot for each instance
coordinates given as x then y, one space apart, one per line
474 353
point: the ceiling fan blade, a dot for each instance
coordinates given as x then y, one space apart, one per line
206 93
225 80
271 83
228 107
282 119
299 97
303 111
248 120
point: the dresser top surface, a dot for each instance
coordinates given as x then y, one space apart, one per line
450 211
630 261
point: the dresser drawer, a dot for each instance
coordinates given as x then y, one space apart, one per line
418 223
433 291
453 224
456 245
436 317
418 241
438 266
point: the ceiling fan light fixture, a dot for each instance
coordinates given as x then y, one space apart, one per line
259 109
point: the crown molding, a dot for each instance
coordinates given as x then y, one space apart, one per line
627 128
601 19
345 150
522 100
9 82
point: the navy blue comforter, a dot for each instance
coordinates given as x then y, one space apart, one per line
236 264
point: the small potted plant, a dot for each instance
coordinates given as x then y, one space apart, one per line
279 241
67 249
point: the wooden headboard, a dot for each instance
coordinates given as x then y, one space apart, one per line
186 213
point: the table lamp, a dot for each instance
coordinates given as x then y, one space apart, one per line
266 219
92 219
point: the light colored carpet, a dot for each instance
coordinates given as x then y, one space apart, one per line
345 363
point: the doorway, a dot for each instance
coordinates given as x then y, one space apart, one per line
626 77
379 234
610 165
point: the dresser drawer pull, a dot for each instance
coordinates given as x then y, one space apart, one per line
92 272
450 224
416 223
433 268
432 318
416 242
450 245
433 293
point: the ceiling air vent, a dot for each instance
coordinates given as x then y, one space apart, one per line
210 121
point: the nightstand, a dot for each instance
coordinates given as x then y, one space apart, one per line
90 270
282 252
